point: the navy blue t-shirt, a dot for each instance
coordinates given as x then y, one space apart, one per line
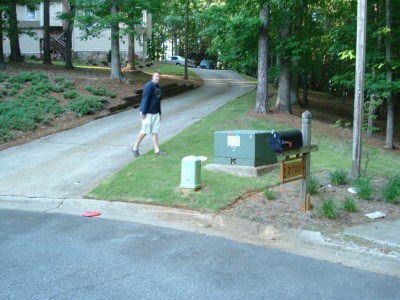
151 99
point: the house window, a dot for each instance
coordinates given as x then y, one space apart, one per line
30 13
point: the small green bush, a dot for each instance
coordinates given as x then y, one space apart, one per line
58 79
100 91
349 204
3 77
338 177
22 77
40 77
68 84
269 194
87 105
391 191
57 88
71 94
5 134
313 185
363 187
328 208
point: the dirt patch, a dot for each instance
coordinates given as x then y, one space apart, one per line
283 211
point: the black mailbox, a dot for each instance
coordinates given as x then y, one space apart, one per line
285 140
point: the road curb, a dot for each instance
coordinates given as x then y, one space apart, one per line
302 242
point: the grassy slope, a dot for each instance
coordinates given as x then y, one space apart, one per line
156 180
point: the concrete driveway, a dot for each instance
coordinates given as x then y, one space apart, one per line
69 164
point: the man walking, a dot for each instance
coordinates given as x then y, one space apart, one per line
150 113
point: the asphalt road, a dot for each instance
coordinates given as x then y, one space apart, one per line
59 256
69 164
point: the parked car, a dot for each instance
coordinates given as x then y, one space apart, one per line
180 61
207 64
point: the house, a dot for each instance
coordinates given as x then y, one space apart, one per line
31 18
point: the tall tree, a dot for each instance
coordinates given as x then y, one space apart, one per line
262 73
283 94
46 34
69 16
389 76
116 73
2 61
13 32
185 74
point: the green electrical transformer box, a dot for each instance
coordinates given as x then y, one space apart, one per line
243 148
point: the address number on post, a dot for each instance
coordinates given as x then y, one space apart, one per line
293 168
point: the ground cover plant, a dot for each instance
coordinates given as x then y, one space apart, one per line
31 99
76 96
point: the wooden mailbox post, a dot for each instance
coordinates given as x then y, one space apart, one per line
295 164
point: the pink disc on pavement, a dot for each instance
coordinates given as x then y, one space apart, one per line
91 214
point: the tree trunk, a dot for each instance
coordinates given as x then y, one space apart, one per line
359 88
175 44
68 38
13 33
2 61
283 97
305 88
46 35
185 74
262 74
116 73
294 84
390 104
131 48
371 115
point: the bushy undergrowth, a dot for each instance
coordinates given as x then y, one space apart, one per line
87 105
363 187
338 177
100 91
350 205
313 185
27 99
328 208
391 191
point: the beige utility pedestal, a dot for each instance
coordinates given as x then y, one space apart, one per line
191 173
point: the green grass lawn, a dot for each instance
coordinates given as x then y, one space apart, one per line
155 180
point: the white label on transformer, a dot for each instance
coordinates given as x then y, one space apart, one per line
233 140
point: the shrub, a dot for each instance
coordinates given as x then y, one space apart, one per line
41 77
328 208
71 94
3 77
87 105
313 185
99 91
338 177
391 191
22 77
269 194
349 204
57 88
363 187
25 112
68 84
58 79
5 134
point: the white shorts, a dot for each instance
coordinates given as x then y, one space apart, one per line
151 124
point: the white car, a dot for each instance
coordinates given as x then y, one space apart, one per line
180 61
